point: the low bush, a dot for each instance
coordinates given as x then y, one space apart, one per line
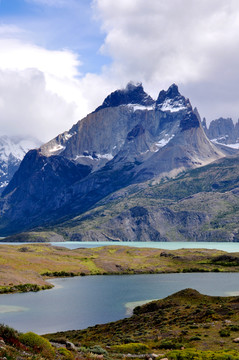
224 332
67 355
97 349
191 354
195 338
8 334
170 344
38 344
134 348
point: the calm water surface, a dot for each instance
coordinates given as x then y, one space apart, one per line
225 246
79 302
174 245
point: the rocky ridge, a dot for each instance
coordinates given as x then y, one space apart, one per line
130 139
12 151
223 131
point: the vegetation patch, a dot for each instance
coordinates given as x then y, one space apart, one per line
38 344
133 348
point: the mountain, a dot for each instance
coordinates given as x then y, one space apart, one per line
198 205
12 151
223 131
129 139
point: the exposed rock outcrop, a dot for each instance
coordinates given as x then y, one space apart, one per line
129 139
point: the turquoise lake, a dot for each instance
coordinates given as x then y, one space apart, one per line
76 303
174 245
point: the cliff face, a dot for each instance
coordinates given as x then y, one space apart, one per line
129 139
223 131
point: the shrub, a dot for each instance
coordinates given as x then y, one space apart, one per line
234 327
191 354
170 344
97 349
224 332
66 353
195 338
38 344
8 334
135 348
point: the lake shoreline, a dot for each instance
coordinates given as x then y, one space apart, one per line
47 262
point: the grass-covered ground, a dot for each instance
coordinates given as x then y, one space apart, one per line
26 267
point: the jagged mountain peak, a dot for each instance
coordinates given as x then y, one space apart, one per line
12 151
173 91
130 139
171 100
132 94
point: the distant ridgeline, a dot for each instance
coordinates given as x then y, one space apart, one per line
223 131
134 169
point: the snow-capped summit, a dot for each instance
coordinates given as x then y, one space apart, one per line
132 94
171 100
12 151
130 139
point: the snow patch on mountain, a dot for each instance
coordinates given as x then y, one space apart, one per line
12 151
95 156
219 142
136 107
163 142
56 148
172 105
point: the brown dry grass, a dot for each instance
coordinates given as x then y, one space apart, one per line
24 264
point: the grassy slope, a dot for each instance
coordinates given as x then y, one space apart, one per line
44 261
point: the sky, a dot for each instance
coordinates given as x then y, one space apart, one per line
59 59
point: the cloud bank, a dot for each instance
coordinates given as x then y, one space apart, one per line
194 44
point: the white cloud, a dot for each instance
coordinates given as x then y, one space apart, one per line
27 108
19 55
190 42
42 84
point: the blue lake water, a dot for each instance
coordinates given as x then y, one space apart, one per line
76 303
225 246
174 245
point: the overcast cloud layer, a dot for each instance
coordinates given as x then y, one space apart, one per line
195 44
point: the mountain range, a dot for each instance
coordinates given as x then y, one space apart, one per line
105 178
12 151
223 131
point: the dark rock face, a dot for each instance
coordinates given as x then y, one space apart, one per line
222 131
189 121
36 187
124 142
133 94
135 132
172 93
